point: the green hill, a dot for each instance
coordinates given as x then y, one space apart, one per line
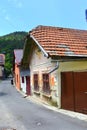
8 43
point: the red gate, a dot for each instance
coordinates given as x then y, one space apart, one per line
74 91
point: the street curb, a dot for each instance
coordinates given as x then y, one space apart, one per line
72 114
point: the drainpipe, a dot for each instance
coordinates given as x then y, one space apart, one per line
56 67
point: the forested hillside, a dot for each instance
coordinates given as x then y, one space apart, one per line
8 43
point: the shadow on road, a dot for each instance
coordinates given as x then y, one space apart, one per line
3 94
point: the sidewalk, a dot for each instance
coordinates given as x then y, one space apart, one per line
62 111
66 112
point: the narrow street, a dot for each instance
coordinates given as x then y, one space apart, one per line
19 113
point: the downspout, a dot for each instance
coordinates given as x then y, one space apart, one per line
56 67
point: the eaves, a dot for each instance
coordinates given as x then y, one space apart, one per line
45 53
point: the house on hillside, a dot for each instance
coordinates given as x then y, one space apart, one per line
21 75
18 53
2 63
57 60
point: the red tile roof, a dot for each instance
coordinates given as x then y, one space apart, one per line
18 53
61 41
2 59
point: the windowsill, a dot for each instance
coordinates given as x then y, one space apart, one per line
46 95
53 89
37 92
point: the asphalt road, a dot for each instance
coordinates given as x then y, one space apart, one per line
22 114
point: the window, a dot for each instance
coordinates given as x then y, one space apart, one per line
22 79
46 86
36 86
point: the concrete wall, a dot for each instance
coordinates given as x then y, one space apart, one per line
73 66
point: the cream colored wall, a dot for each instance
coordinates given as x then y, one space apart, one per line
75 66
41 64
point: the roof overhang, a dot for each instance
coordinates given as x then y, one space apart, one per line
25 72
45 53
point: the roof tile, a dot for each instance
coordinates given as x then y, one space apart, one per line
61 41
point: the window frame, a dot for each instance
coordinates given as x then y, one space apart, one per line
36 82
46 84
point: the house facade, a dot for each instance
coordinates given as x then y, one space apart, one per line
2 63
18 53
25 81
44 79
21 75
57 60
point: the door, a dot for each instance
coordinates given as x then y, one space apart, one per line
74 91
67 95
80 86
28 92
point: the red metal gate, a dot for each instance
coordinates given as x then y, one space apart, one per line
80 86
74 91
67 95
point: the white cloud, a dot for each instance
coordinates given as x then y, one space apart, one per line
7 18
16 3
9 21
19 4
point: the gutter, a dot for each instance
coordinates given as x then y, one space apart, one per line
56 67
45 53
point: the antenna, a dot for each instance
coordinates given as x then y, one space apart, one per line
86 14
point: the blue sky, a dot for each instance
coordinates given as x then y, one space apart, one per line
24 15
